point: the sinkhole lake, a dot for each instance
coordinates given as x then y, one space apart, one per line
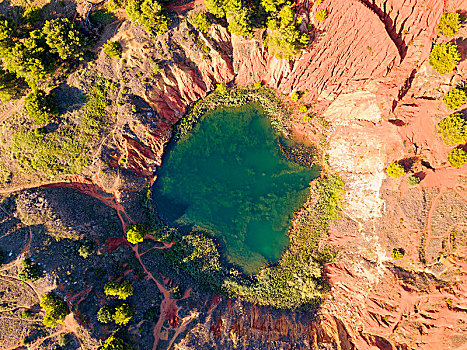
228 178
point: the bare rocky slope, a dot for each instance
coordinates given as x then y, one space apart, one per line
366 73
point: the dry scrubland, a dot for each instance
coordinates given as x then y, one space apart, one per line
84 120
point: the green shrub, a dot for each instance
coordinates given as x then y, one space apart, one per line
102 17
64 340
240 23
321 15
122 290
86 248
272 6
114 5
135 233
453 129
295 96
286 43
318 2
258 85
27 314
221 89
303 109
114 343
201 22
455 98
457 157
40 107
63 38
413 180
444 57
223 8
449 24
123 314
307 118
10 86
104 315
113 49
397 253
30 272
149 14
32 15
395 170
55 309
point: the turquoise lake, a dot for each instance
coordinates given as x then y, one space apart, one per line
229 178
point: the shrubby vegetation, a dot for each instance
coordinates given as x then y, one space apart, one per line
86 248
321 15
449 24
240 23
149 14
453 129
455 97
123 314
413 180
63 38
104 315
444 57
115 343
55 309
122 290
113 49
397 253
30 272
201 22
10 87
457 157
221 89
40 107
135 233
395 170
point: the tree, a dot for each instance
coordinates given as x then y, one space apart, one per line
221 89
121 290
395 170
86 248
321 15
455 98
413 180
201 22
457 157
123 314
10 87
114 343
449 24
113 49
30 272
40 107
285 43
63 38
272 6
397 253
135 233
223 8
286 16
104 315
444 57
453 129
149 14
240 23
55 309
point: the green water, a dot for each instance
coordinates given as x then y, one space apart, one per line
229 178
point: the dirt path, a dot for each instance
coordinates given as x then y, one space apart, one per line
9 112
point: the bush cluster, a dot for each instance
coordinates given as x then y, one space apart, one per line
413 180
457 157
449 24
453 129
397 253
55 309
395 170
455 97
201 22
135 233
115 343
121 314
63 38
122 290
113 49
40 107
444 57
30 272
149 14
104 315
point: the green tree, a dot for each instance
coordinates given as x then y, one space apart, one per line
122 290
135 233
30 272
321 15
113 49
444 57
240 23
449 24
149 14
286 16
221 89
6 31
114 343
104 315
63 38
55 309
286 43
455 98
123 314
395 170
397 253
272 6
10 87
201 22
223 8
457 157
413 180
40 107
453 129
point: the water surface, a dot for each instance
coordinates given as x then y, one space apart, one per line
229 178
